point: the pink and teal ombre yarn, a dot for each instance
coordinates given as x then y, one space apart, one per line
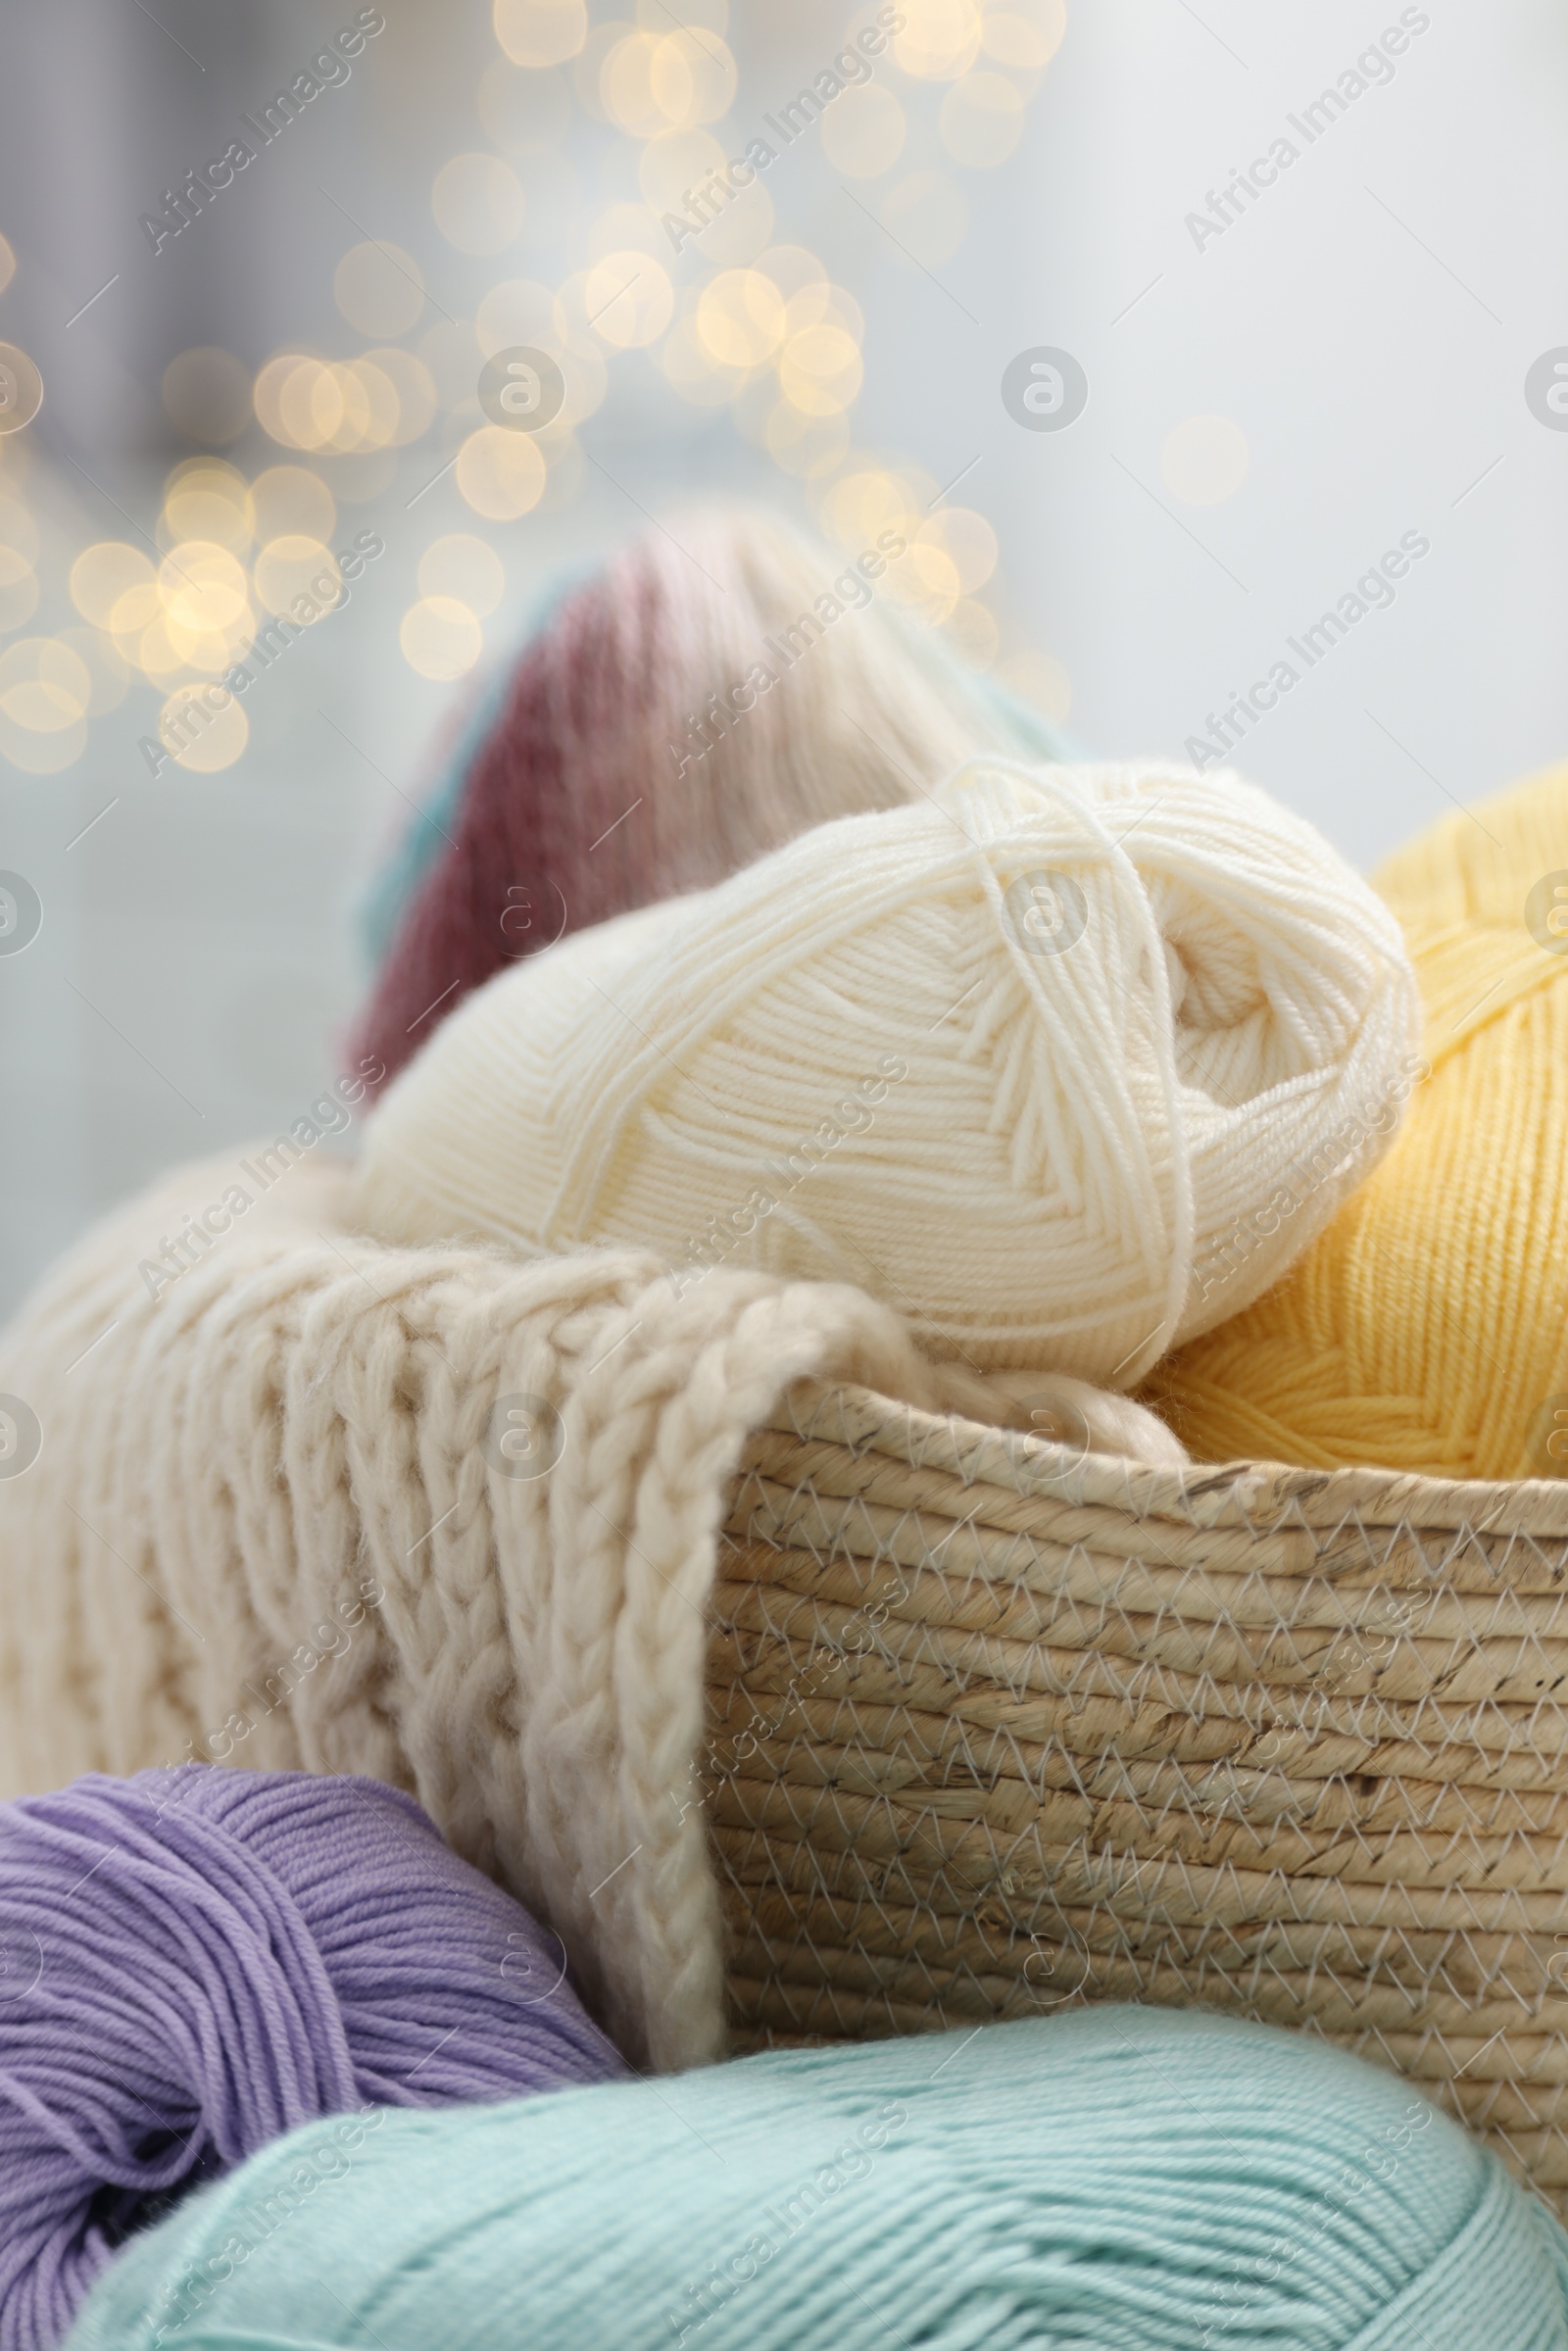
716 689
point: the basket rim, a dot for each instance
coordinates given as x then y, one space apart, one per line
1257 1494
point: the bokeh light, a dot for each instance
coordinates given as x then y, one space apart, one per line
690 368
971 630
981 121
627 299
206 600
380 290
674 163
524 111
43 684
927 580
515 310
478 203
1204 460
741 319
732 320
541 32
501 475
941 38
681 173
107 668
45 690
290 500
204 728
863 131
412 391
666 80
104 574
18 526
819 370
440 638
295 571
153 650
807 445
206 499
966 540
465 570
869 500
18 589
1025 35
330 406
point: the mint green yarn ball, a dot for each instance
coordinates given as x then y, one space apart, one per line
1121 2178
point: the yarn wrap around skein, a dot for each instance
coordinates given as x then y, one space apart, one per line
716 688
1118 2179
1012 1057
197 1960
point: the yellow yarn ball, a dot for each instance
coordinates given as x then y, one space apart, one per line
1426 1329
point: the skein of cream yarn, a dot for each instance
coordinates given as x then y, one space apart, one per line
1012 1058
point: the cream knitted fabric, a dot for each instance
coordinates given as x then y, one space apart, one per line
439 1516
1019 1059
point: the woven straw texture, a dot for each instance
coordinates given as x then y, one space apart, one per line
993 1729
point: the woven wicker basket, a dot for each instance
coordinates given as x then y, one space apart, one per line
995 1729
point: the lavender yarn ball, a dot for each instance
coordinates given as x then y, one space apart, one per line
194 1961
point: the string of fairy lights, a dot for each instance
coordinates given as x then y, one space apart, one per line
742 318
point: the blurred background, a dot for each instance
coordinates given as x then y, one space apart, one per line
213 392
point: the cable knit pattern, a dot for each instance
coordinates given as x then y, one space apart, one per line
304 1414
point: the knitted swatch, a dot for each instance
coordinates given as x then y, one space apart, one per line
718 688
1121 2180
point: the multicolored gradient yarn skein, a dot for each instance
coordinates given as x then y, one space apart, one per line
721 686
